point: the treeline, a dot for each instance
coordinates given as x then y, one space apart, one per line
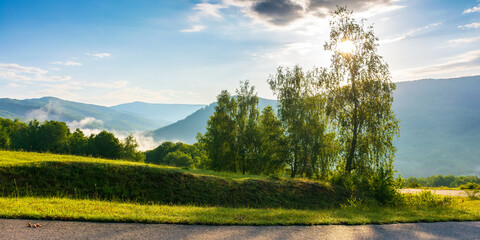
55 137
442 181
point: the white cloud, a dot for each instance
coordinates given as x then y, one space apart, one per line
207 10
472 10
460 65
17 73
99 55
410 34
471 25
67 63
459 41
194 28
14 85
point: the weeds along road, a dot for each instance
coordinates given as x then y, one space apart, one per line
18 229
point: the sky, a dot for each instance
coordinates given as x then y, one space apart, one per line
109 52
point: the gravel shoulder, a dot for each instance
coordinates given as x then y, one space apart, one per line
18 229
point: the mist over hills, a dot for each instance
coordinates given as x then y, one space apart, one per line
79 115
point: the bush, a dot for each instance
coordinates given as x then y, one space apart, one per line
470 186
414 184
424 199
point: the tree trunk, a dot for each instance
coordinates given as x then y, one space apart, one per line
351 154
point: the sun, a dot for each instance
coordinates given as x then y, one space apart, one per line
346 47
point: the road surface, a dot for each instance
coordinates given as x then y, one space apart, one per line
17 229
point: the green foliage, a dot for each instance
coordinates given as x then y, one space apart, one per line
220 138
301 106
470 186
178 154
442 181
55 137
414 184
272 151
424 199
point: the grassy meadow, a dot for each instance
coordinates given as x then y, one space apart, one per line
49 186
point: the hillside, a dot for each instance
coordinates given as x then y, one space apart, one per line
50 175
186 130
440 126
94 116
161 113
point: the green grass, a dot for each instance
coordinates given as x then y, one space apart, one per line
49 175
13 158
461 209
50 186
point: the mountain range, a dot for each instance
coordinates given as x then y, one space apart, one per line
130 117
440 122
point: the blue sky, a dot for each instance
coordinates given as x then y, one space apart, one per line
178 51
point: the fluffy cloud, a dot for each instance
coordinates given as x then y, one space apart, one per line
472 10
18 73
284 12
278 12
471 25
98 55
67 63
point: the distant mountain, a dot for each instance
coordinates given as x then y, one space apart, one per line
186 130
76 114
161 113
440 126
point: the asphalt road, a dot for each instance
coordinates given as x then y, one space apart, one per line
17 229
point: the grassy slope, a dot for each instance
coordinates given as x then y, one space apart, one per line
50 175
61 187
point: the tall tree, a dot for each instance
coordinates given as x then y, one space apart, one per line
273 144
220 137
301 108
361 95
247 126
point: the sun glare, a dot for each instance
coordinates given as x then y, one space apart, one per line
346 46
